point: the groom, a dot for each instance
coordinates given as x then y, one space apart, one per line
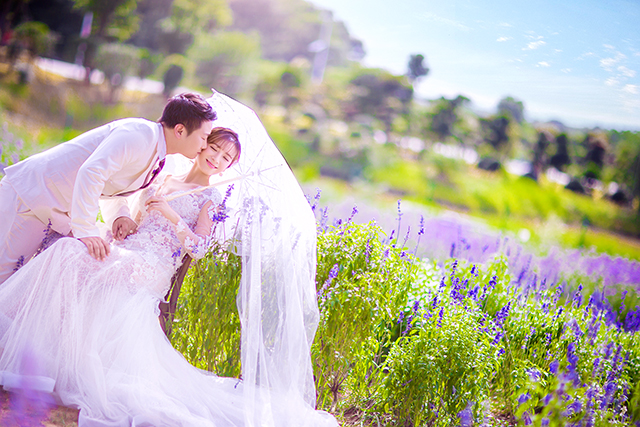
60 188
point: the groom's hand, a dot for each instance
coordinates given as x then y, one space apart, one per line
98 248
122 227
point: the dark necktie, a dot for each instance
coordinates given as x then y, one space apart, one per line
153 176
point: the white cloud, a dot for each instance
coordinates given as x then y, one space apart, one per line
531 36
586 55
611 81
505 24
632 89
543 64
609 47
627 72
566 70
504 39
534 45
608 63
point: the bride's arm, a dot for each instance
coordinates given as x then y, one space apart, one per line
195 243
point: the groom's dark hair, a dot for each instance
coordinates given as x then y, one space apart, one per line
188 109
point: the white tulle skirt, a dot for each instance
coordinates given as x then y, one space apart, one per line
86 332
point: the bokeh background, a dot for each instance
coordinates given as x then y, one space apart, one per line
501 135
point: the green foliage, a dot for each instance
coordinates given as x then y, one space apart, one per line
362 284
379 94
206 329
439 368
224 60
112 19
35 37
116 59
195 16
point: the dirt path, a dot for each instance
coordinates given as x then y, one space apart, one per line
17 411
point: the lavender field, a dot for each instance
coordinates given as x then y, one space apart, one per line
468 326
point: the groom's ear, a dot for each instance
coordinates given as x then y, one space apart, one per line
179 130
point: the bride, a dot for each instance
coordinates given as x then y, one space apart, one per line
87 331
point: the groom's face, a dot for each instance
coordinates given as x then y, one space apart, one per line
193 143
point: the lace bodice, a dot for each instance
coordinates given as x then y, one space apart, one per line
162 244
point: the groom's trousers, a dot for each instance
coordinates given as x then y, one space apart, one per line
21 232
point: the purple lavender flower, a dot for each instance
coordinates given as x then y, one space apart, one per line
526 419
523 398
332 275
609 391
534 374
493 282
502 314
573 323
400 318
596 364
497 338
553 367
353 213
367 251
575 407
632 321
416 306
577 297
440 314
466 416
19 263
316 200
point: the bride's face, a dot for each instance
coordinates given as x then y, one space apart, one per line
216 158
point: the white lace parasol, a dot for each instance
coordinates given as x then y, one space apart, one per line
275 234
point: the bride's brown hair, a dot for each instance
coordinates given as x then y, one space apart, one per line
223 136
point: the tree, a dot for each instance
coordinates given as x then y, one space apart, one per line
445 116
35 38
288 28
561 158
117 61
540 161
189 19
416 68
379 94
113 20
626 168
597 145
496 132
511 107
224 59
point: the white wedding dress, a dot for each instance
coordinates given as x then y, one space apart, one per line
87 331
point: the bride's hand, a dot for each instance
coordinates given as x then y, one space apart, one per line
159 204
122 227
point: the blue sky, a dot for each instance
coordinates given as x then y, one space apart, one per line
577 61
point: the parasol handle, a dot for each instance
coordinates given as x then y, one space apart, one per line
217 184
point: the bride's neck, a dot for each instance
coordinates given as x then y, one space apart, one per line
195 176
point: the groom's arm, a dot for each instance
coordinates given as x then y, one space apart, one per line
124 147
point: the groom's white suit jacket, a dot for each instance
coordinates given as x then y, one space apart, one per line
65 183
